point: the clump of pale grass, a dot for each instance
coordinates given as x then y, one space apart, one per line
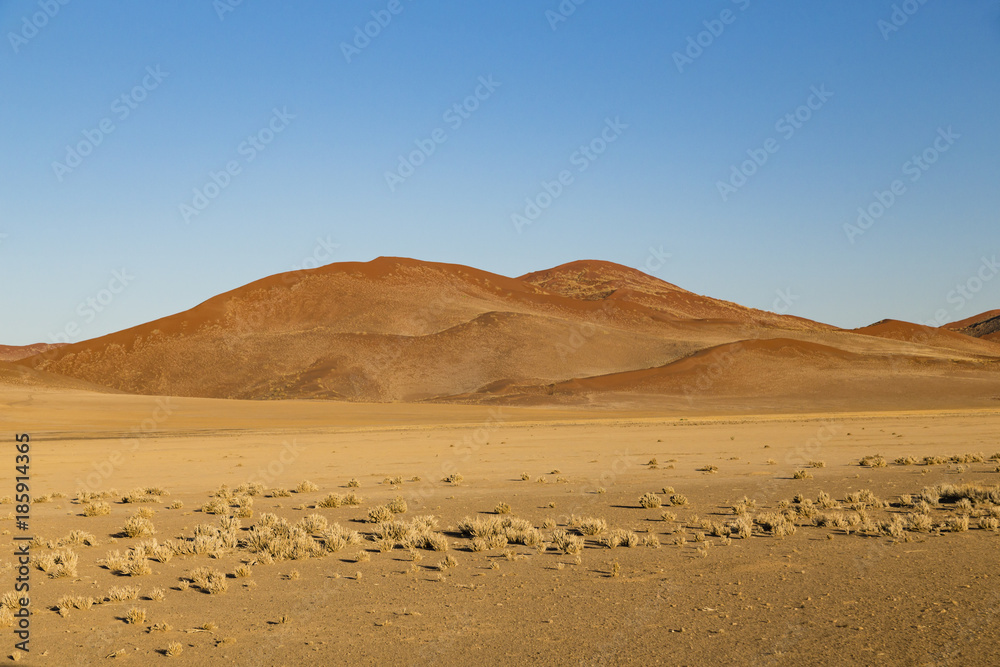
873 461
96 508
57 564
650 501
135 616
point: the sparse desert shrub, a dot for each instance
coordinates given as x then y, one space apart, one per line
873 461
313 524
135 616
352 499
668 516
75 602
176 505
57 564
353 483
394 481
964 506
744 506
78 537
969 458
825 501
123 593
906 461
209 580
566 543
379 514
989 523
242 571
934 460
397 505
776 524
620 537
802 474
336 538
138 526
141 496
525 477
173 649
918 522
215 506
454 478
709 469
650 501
280 493
958 524
331 500
501 508
96 508
590 525
678 499
741 526
156 595
306 486
862 499
650 540
817 464
448 562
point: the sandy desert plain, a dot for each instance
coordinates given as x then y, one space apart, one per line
580 466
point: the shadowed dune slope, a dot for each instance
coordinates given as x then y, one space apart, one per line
985 326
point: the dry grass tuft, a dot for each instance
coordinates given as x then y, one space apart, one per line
138 526
57 564
96 508
650 501
873 461
135 616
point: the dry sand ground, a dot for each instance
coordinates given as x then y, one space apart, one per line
818 596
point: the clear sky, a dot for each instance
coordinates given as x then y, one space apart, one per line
121 119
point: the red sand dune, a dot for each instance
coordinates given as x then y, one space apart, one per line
930 336
397 329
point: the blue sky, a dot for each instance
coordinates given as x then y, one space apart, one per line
162 97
